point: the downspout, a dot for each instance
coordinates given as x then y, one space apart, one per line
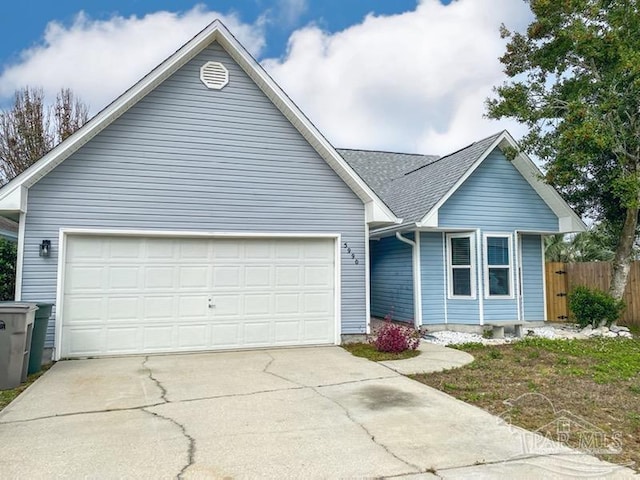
417 287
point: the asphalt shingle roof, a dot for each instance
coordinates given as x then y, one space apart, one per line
410 184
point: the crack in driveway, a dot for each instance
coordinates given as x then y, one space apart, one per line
191 451
163 390
345 410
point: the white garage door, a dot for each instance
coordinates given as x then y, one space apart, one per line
128 295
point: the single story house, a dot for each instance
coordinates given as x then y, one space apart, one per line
202 210
470 248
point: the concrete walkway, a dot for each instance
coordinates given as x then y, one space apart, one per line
432 358
286 414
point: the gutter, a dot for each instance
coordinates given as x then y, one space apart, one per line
417 280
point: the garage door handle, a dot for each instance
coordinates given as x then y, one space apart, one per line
211 305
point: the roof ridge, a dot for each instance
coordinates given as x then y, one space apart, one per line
387 151
457 151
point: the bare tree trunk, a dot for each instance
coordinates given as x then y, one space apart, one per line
623 256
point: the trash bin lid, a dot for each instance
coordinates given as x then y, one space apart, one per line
17 307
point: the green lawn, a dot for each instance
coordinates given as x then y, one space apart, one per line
367 350
535 381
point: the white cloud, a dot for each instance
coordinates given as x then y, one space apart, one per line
290 11
415 81
100 59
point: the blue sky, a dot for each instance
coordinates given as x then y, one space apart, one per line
402 75
23 22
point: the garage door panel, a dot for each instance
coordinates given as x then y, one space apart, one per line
193 337
287 303
226 306
123 278
317 303
193 306
257 304
123 339
287 331
85 278
158 338
257 333
158 307
82 309
226 276
287 276
226 250
159 277
122 248
314 330
257 276
196 277
317 276
193 250
122 308
147 295
84 341
226 335
257 250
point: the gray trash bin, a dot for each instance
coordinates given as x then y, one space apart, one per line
16 326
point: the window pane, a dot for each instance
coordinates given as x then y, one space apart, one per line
461 251
498 250
499 281
462 281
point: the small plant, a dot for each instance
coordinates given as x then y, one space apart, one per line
594 307
394 338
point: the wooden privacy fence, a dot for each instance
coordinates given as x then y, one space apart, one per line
561 278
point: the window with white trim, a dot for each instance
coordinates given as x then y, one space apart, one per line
497 266
461 265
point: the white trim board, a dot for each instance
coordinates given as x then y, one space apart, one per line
62 253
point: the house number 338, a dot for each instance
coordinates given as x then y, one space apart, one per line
353 255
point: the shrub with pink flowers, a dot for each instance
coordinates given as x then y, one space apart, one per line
394 338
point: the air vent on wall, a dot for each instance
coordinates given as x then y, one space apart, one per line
214 75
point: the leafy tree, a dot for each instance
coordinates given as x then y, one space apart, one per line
8 255
594 245
575 82
30 129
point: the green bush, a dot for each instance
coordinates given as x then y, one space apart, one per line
8 255
594 307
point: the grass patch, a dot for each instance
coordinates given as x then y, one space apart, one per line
596 380
368 351
8 396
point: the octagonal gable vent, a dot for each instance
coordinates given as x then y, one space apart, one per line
214 75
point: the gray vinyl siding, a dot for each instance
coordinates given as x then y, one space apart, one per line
186 158
533 278
392 278
433 273
497 198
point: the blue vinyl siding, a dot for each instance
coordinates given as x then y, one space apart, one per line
433 272
533 278
187 158
497 198
392 278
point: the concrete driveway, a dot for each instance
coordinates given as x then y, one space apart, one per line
290 413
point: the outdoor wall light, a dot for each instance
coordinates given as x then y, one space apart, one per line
45 248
